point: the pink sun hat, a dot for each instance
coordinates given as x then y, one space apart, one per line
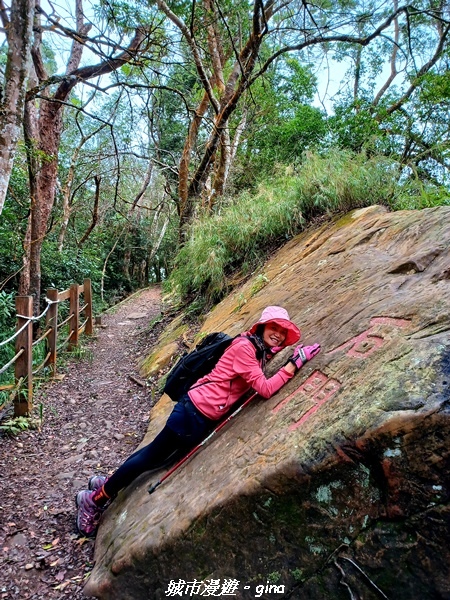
280 316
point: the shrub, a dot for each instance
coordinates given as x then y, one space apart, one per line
245 228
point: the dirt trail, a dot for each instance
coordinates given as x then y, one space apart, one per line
93 419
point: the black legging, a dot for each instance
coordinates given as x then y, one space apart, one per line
166 446
185 428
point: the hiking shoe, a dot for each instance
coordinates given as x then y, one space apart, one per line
96 482
88 514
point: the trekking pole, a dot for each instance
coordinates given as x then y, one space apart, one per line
153 487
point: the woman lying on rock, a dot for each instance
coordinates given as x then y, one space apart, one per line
201 409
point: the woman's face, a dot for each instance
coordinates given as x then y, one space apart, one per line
274 335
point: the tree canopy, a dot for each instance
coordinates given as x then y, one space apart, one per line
123 122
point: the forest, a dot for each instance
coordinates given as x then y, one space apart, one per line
180 142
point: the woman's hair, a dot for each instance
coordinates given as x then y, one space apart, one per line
257 335
260 330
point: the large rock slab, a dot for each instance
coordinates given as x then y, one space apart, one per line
338 486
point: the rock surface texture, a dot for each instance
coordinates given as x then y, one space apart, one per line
337 486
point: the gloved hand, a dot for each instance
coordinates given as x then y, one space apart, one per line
304 353
276 349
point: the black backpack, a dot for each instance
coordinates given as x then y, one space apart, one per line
198 363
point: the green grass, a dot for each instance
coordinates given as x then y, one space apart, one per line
238 237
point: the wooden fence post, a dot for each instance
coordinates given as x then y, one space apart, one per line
74 322
52 321
88 311
23 400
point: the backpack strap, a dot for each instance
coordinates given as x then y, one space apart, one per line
261 354
206 382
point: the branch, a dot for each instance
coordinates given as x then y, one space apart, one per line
214 46
103 68
97 179
102 281
78 36
424 69
145 184
77 46
69 81
165 167
197 58
363 41
4 15
428 151
231 97
77 108
233 45
394 72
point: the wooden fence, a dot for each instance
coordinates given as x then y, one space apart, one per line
22 388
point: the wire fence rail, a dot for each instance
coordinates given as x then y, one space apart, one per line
78 321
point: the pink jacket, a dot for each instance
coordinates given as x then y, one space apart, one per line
236 372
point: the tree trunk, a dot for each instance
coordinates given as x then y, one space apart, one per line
68 193
31 135
228 150
94 219
126 265
50 128
12 97
183 170
145 184
231 92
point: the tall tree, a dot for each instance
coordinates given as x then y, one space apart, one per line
43 125
18 30
231 52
